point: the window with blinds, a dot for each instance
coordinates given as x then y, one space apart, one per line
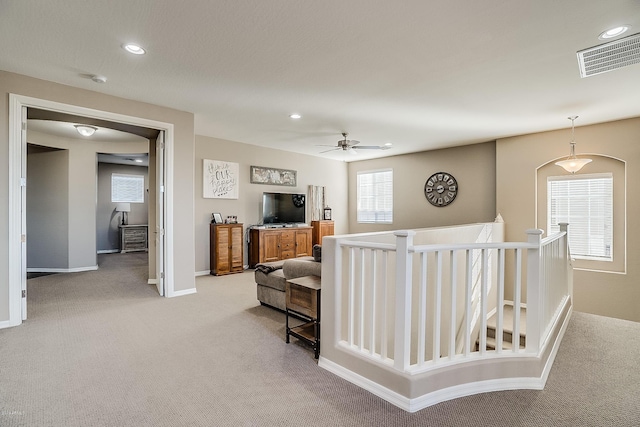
127 188
375 196
586 203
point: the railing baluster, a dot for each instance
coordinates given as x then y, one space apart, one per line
372 322
422 309
351 302
484 293
452 325
467 307
517 295
500 302
438 310
385 313
362 296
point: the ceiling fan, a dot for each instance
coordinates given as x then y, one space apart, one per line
352 146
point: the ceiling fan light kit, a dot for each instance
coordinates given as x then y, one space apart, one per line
572 163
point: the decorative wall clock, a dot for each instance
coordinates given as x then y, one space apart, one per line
298 200
441 189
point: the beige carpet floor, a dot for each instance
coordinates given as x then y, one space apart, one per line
102 349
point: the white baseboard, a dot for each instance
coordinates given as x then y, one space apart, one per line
109 251
152 282
61 270
183 293
203 273
6 324
433 398
382 392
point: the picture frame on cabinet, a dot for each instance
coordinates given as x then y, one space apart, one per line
216 218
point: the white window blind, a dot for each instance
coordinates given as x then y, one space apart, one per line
586 203
127 188
375 196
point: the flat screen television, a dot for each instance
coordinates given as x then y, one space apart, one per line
283 208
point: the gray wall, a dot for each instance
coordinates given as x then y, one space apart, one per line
81 188
474 168
48 209
107 219
331 174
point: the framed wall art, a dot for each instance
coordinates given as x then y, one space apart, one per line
273 176
219 179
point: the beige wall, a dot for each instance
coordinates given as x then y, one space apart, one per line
331 174
517 159
183 214
473 166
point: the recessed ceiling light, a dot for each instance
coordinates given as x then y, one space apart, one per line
295 116
85 130
613 32
134 48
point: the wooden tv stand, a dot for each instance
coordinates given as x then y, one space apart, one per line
275 244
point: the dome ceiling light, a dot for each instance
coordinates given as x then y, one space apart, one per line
86 130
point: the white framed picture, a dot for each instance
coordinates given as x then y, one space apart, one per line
219 179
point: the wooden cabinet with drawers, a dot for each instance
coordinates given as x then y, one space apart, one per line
274 244
226 249
321 229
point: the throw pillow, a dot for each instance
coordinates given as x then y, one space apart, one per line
317 253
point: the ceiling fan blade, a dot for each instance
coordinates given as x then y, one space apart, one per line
368 147
352 142
352 151
325 145
333 149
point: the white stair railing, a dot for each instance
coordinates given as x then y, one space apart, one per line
417 307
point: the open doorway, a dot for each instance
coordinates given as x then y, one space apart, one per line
161 139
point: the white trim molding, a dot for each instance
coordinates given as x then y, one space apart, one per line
17 270
62 270
183 293
430 399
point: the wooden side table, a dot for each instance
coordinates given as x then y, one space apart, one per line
303 301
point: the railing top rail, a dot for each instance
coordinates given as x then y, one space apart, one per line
451 246
464 246
550 239
367 245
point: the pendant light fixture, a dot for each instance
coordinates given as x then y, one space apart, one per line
572 163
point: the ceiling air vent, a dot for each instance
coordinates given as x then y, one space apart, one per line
609 56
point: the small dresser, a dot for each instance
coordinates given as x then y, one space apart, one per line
133 238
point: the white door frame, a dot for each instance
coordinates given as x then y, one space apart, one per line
17 153
160 218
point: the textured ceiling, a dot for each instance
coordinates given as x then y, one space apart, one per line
421 75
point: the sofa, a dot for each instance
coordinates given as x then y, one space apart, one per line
271 278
